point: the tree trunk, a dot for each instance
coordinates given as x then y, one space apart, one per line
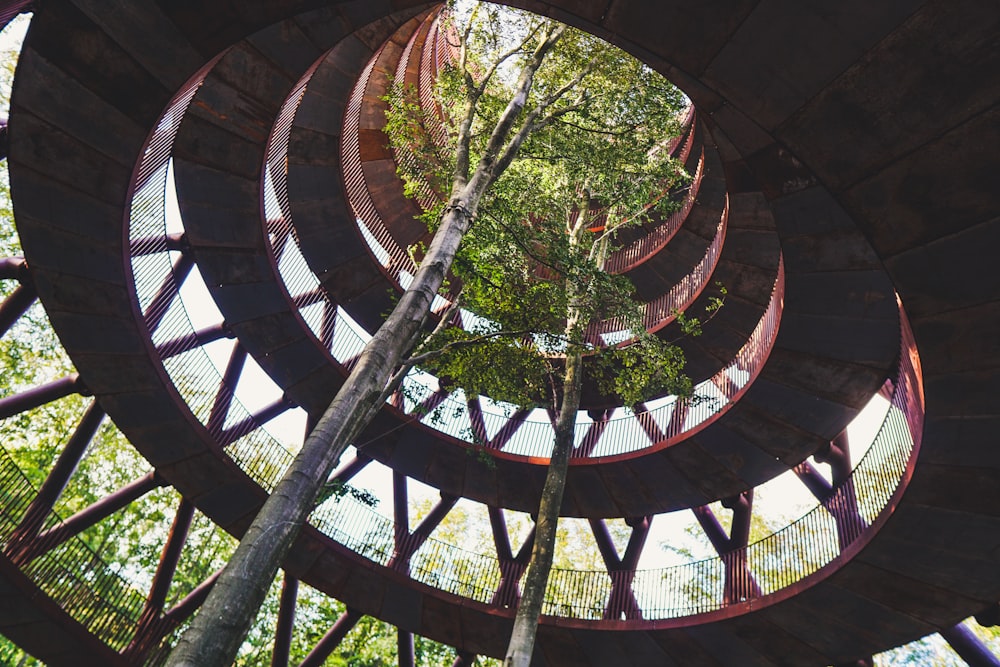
216 633
219 628
522 638
529 609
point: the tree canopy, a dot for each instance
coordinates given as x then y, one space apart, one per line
531 271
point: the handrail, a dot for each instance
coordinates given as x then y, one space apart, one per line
199 382
776 562
663 310
71 574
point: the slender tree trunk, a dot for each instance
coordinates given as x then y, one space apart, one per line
522 638
221 625
219 628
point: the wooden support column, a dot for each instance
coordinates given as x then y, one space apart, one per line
479 435
968 646
150 628
593 434
40 395
157 243
329 326
400 514
90 516
677 417
408 542
191 341
351 468
621 600
739 583
286 622
15 305
249 423
53 486
675 425
13 268
227 389
405 653
168 291
331 639
512 567
508 430
181 611
177 615
839 498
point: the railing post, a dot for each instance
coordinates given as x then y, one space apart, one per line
40 395
325 646
286 622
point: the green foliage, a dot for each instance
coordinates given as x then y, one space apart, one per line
530 269
12 656
648 367
9 243
339 488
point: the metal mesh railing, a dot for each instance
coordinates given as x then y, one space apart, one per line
91 591
691 588
199 382
628 257
664 309
766 566
625 433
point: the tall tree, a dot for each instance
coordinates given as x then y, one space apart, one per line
532 270
215 634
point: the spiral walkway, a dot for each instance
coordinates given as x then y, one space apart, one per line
842 191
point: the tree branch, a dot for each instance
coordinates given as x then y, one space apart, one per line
481 88
468 342
461 173
486 172
407 365
530 125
